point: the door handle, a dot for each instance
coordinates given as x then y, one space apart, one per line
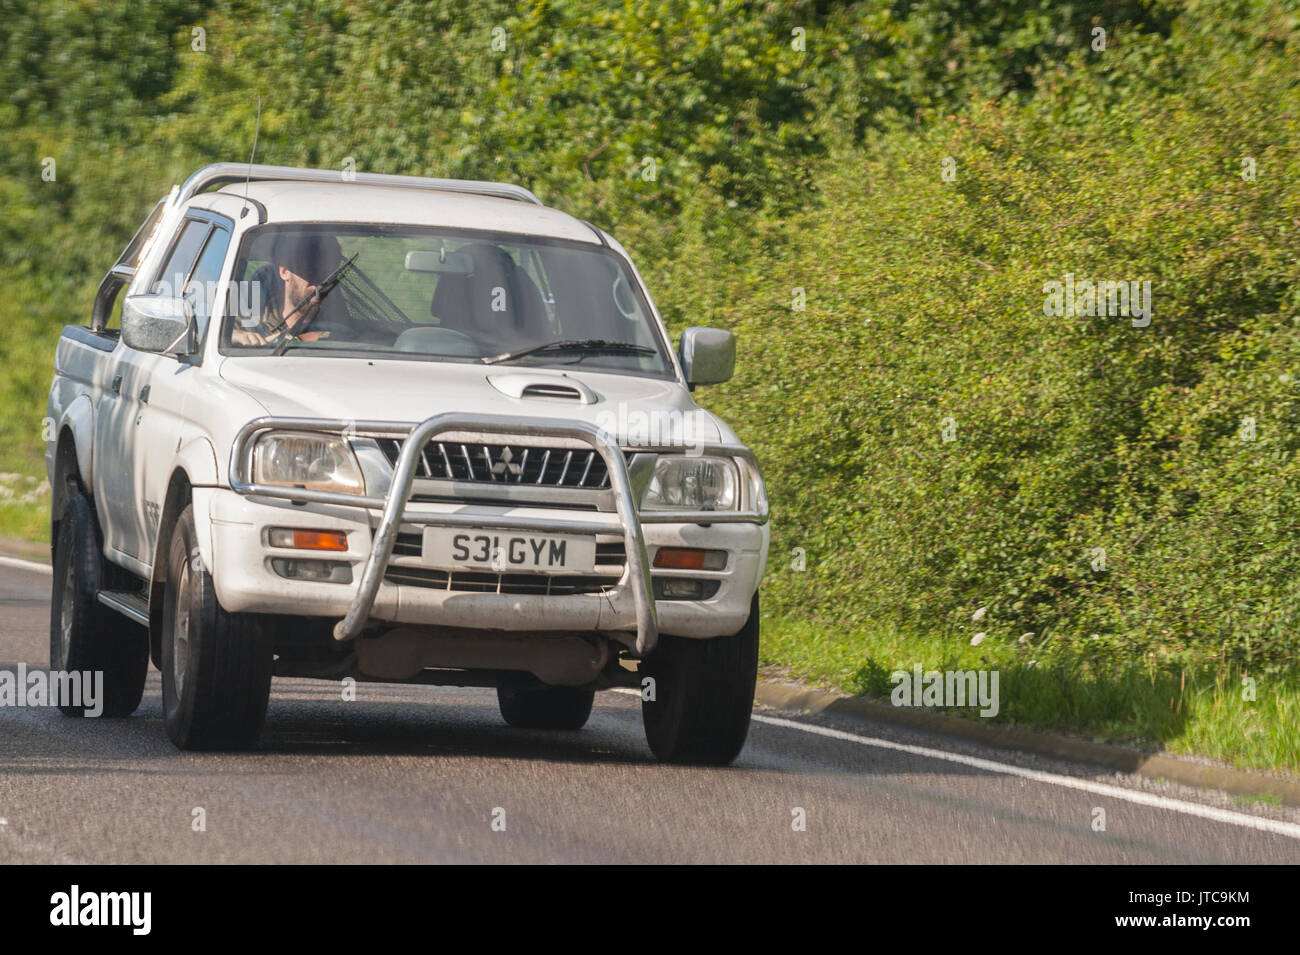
117 384
144 395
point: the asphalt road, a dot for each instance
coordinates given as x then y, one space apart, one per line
418 774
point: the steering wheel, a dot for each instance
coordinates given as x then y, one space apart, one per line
344 332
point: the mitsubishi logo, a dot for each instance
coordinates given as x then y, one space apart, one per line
506 464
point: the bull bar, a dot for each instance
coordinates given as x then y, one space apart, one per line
394 513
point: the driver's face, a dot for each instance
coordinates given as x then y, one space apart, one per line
296 288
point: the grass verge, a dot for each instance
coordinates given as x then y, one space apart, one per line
1203 710
26 521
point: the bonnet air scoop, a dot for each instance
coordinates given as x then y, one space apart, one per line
552 387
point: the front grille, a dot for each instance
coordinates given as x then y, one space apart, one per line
505 464
467 498
408 545
474 582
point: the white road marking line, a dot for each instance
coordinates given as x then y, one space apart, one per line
1229 816
25 565
1069 782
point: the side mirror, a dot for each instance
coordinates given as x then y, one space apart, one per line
708 355
159 324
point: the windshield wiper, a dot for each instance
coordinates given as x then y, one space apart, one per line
318 296
591 345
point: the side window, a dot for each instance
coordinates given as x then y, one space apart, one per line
172 276
115 311
201 290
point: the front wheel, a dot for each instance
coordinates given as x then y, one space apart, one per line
703 692
216 666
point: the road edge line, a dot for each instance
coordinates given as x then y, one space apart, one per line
1155 766
21 564
1139 797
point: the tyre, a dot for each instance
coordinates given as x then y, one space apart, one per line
84 634
216 666
527 703
703 695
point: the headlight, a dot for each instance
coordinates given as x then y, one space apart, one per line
692 484
317 462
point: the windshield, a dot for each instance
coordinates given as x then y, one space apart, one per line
444 295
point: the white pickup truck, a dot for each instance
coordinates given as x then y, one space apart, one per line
398 429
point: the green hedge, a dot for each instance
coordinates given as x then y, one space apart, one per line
1170 447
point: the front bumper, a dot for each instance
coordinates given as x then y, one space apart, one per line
246 581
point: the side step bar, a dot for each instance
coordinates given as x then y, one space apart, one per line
130 605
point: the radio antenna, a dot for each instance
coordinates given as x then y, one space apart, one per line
256 129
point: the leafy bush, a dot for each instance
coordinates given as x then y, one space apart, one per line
1171 447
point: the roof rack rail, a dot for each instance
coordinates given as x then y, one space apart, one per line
223 173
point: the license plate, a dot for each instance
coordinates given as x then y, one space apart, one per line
505 552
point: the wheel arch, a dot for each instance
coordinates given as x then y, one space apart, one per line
179 494
195 468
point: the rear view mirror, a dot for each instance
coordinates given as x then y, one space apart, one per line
159 324
708 355
440 262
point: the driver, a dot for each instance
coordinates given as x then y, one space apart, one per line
299 263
